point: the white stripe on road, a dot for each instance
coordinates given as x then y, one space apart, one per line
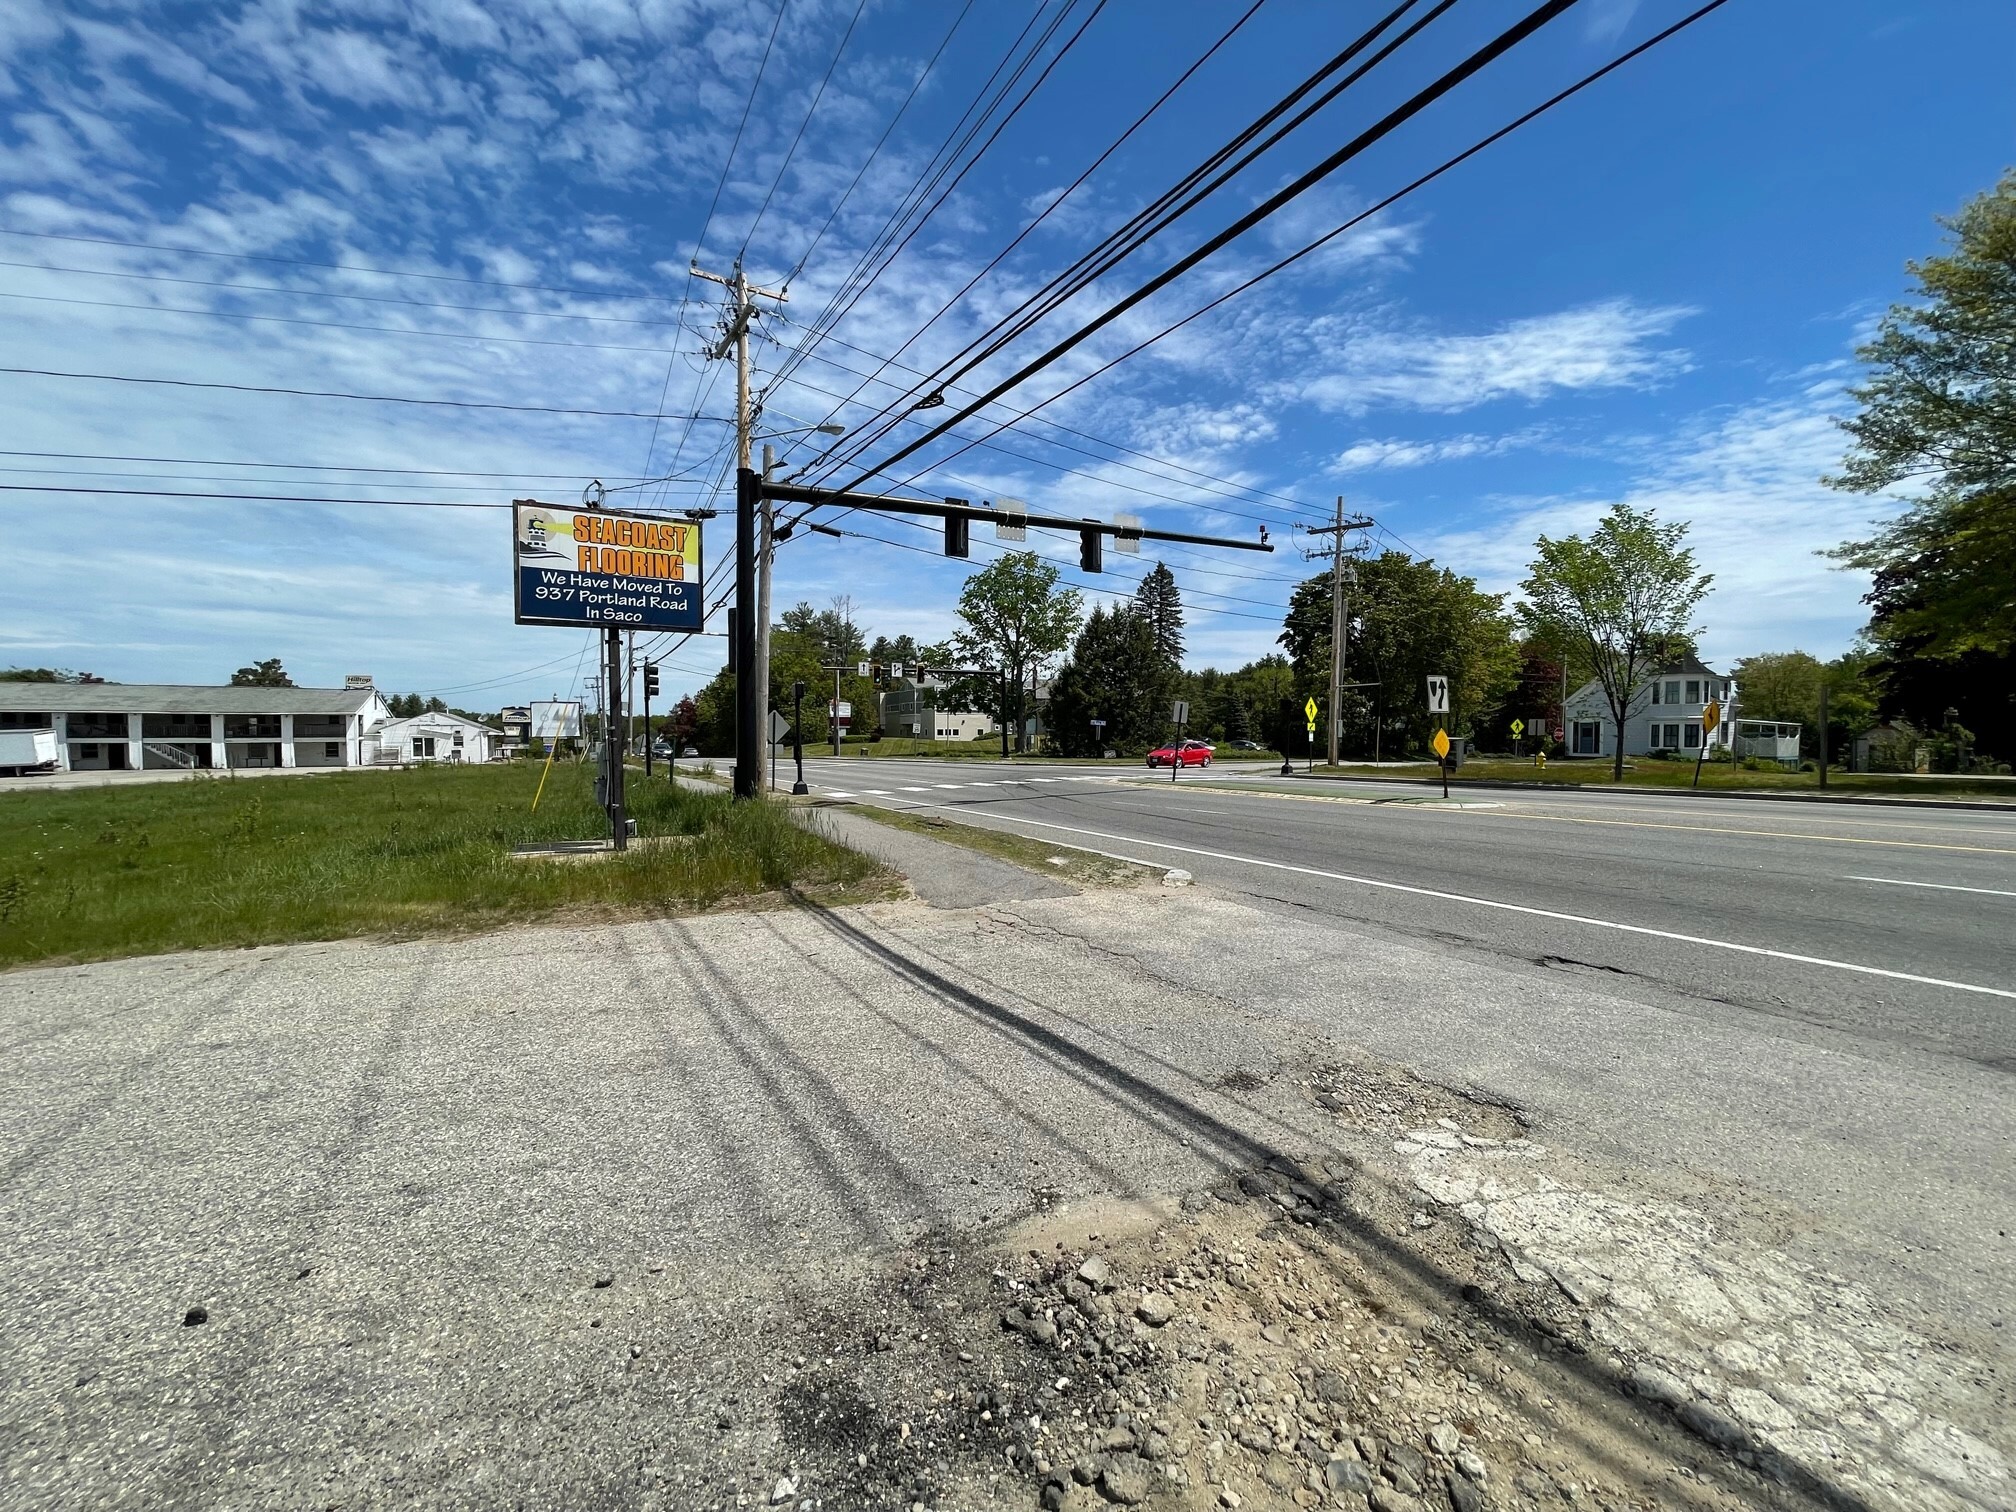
950 785
1993 892
834 793
1520 908
914 790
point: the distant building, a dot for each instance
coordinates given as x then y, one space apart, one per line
103 726
1665 714
909 708
437 737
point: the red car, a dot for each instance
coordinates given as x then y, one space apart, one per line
1190 753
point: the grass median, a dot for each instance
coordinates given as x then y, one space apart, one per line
1641 771
92 873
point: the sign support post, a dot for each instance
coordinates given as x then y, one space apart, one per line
1711 720
798 788
613 739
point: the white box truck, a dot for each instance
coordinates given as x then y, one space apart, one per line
25 751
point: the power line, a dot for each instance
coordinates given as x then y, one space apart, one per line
876 151
435 472
810 110
1161 213
161 493
303 262
1504 42
391 299
1541 109
250 388
329 325
686 289
852 292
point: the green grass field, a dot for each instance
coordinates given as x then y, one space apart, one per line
89 873
1641 771
987 750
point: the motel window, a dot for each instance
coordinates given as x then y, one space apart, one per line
89 752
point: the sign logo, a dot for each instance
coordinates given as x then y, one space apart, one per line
592 567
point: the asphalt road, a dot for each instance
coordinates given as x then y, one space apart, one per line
1892 923
396 1176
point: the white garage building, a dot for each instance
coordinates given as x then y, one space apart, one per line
131 726
437 737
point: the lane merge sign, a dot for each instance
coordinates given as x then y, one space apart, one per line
1438 695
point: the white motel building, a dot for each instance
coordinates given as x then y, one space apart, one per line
135 726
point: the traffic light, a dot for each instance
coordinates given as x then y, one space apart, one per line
1091 549
650 679
958 531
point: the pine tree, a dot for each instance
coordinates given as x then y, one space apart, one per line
1161 606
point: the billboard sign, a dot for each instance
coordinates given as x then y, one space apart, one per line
556 721
594 567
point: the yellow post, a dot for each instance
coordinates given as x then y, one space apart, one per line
544 773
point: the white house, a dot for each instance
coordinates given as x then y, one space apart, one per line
104 726
436 737
1665 714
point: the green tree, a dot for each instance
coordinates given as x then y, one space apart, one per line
1785 686
1110 676
1408 620
1161 605
1621 599
1938 412
1014 615
265 674
47 675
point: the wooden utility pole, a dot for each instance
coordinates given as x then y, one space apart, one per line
751 753
1337 530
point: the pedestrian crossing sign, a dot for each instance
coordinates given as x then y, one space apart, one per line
1518 728
1309 708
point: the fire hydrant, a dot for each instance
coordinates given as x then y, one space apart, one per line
1540 760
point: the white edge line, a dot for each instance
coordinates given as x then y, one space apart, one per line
1520 908
1992 892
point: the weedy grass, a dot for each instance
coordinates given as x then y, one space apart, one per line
92 873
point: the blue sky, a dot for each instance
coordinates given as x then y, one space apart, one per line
1651 294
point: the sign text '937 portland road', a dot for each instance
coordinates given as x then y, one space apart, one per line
590 567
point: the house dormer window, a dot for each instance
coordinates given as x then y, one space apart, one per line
1693 690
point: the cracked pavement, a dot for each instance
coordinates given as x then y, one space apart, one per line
394 1177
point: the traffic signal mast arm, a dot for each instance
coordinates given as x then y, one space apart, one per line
789 493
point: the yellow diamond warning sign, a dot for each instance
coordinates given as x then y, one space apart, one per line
1441 743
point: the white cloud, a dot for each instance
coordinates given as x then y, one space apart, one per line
1748 486
1598 346
1366 456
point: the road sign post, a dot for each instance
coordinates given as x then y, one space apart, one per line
1518 730
1179 716
798 788
1309 713
1711 720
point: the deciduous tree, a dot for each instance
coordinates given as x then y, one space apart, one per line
1014 615
1111 675
1621 599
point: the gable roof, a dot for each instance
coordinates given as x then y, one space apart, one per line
178 698
437 721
